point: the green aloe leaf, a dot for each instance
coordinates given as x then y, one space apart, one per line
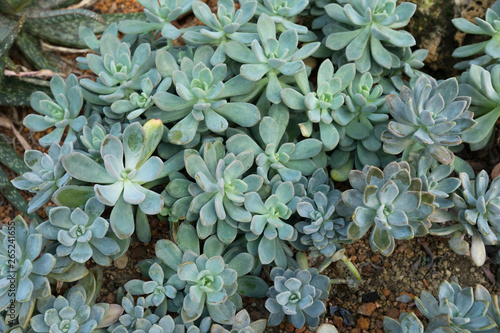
13 6
61 26
9 29
14 162
17 92
10 193
97 26
30 47
11 159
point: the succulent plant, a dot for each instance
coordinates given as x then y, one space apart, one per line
436 180
484 88
429 117
269 227
61 113
365 31
289 160
141 100
482 294
201 103
284 14
321 104
270 57
81 233
220 186
46 176
119 184
172 257
242 323
92 138
391 200
322 229
157 290
120 71
360 122
479 212
318 182
165 324
136 314
208 282
160 14
466 313
298 294
228 24
74 312
24 269
407 73
490 49
409 323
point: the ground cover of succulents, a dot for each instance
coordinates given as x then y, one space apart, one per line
249 166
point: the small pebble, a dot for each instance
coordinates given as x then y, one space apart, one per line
393 313
363 323
366 309
121 262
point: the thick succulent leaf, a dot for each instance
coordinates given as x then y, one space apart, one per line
73 196
252 286
187 239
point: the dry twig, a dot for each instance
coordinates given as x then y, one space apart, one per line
6 123
50 47
83 4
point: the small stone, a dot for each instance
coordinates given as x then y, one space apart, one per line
338 321
386 292
121 262
363 323
110 298
300 330
369 297
393 313
496 171
356 330
326 328
289 327
379 324
367 309
375 258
